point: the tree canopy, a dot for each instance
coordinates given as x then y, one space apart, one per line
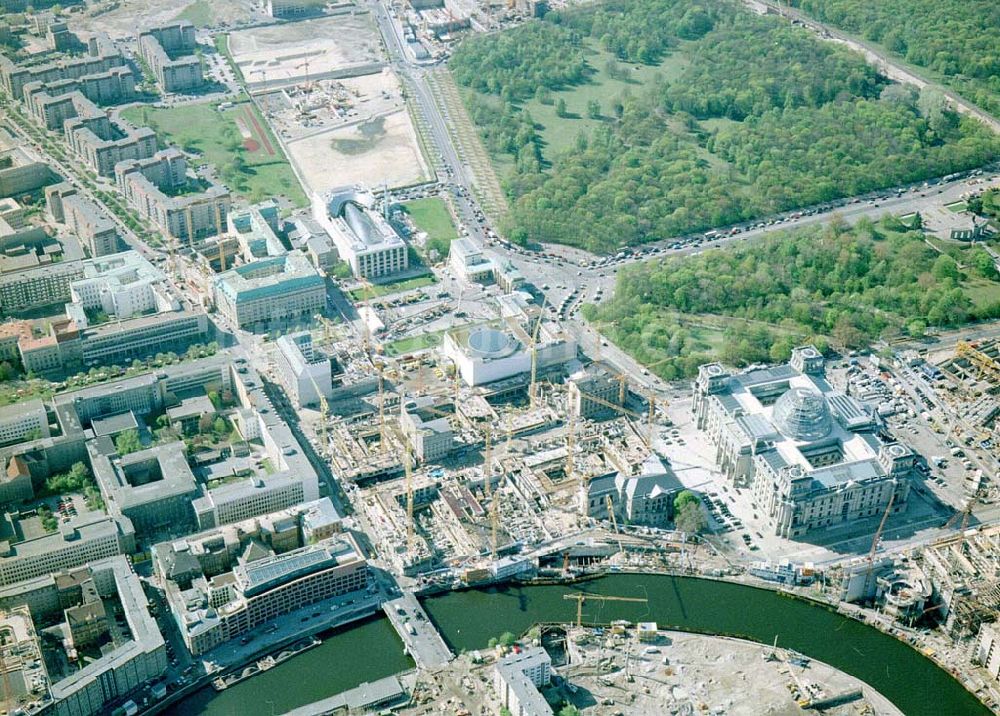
820 284
762 117
956 39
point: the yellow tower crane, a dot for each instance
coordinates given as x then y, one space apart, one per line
487 463
581 597
494 523
651 416
875 541
614 520
383 442
408 467
533 386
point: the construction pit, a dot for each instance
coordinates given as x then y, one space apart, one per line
450 477
340 45
617 671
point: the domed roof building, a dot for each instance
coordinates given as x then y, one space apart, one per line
811 455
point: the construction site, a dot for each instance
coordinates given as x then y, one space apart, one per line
449 474
645 671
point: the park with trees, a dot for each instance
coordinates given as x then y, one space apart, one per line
835 286
738 117
957 40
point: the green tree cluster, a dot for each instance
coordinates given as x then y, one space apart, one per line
957 39
643 31
845 285
128 442
75 480
515 63
810 122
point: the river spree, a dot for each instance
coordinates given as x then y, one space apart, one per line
468 619
347 657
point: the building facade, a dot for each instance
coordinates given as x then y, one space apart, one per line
810 455
276 288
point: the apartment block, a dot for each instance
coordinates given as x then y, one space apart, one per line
102 59
212 608
304 372
82 540
76 599
148 185
37 287
22 172
294 8
23 420
52 103
517 678
84 218
102 143
168 50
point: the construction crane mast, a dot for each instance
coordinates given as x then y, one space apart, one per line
581 597
614 520
875 541
487 460
408 467
648 437
533 386
383 442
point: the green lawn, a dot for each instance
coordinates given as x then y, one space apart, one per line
957 206
254 168
431 215
385 289
981 292
198 13
412 344
560 133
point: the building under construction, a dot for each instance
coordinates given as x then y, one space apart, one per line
965 572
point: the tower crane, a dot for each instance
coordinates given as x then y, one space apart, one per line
494 523
651 416
875 541
408 467
383 442
533 386
581 597
487 466
614 520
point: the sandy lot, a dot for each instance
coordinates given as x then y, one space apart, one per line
132 14
327 44
373 151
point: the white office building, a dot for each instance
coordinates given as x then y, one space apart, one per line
363 237
305 373
469 263
517 678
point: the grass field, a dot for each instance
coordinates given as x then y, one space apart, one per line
386 289
981 292
413 344
431 215
235 141
560 133
199 13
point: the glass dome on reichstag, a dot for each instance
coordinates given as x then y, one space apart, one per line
802 414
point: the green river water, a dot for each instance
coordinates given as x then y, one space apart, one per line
468 619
